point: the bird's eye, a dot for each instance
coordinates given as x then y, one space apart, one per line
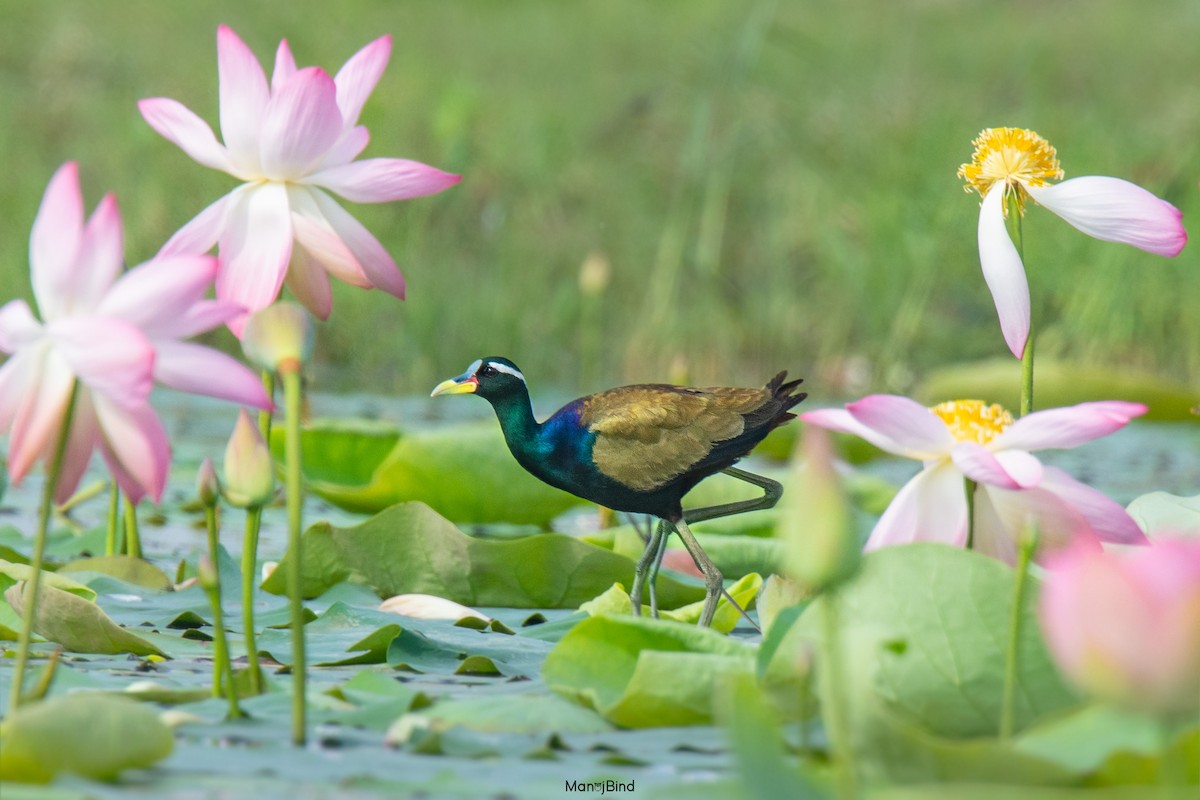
487 371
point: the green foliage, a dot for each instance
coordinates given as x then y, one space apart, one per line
79 625
1162 513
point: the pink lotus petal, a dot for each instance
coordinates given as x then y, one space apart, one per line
378 266
204 230
1067 427
101 255
991 535
203 315
179 125
39 417
838 419
135 448
110 356
916 431
322 242
84 435
983 466
201 370
285 66
300 124
309 282
1109 522
243 96
380 180
17 376
154 295
1114 210
346 149
358 77
1003 271
18 327
255 249
1056 521
932 507
54 242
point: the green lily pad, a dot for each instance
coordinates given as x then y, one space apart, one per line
411 549
77 625
22 572
96 736
126 568
1061 384
465 472
1159 513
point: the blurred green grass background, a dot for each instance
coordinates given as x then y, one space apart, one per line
758 185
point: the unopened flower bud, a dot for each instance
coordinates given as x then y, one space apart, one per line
279 338
206 574
822 547
249 471
207 486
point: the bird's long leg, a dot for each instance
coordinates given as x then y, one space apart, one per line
663 535
772 491
649 559
713 585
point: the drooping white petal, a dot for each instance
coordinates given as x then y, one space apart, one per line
204 230
1116 211
359 75
1109 522
39 415
154 295
201 370
1062 428
1017 470
1003 271
255 248
932 507
300 124
377 264
18 327
309 282
54 242
179 125
135 448
916 431
17 376
991 534
243 97
322 242
1019 511
380 180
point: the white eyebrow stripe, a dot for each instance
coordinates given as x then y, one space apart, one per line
506 368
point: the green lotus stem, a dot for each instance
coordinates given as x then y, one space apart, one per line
222 666
1025 550
133 539
249 581
837 720
295 499
1018 238
114 513
29 601
264 417
969 487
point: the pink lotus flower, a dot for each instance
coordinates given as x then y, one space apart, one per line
1013 162
116 334
289 140
969 439
1125 627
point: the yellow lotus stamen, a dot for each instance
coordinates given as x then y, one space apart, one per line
1012 156
973 420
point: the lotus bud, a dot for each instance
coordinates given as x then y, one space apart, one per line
208 487
249 471
279 338
206 574
1125 626
823 549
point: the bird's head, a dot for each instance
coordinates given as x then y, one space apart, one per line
490 378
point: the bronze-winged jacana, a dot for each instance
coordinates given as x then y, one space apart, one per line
640 449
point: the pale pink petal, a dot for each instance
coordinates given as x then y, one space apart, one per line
204 315
321 241
932 507
179 125
1062 428
1108 521
1022 511
1003 271
54 242
309 282
101 255
916 431
18 327
285 66
838 419
983 466
154 295
204 230
378 266
39 417
255 249
348 146
379 180
110 356
300 124
1116 211
358 77
17 377
82 441
135 447
990 534
201 370
243 97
